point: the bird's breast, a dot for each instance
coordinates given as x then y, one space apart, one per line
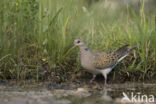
87 63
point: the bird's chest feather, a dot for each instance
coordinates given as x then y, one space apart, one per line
86 61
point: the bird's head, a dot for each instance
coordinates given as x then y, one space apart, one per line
78 42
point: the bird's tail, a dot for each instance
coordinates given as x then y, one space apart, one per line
131 49
126 52
122 49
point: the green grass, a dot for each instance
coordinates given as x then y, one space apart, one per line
37 37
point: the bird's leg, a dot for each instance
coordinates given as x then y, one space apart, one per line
91 81
105 79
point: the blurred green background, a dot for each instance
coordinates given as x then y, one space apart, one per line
36 36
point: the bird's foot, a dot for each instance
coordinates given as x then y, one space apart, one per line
92 80
105 85
105 82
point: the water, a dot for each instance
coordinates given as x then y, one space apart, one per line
73 93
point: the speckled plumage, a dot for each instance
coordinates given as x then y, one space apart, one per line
101 62
109 59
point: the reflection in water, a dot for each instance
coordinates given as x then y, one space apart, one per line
112 94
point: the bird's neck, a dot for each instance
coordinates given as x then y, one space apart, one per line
85 55
84 49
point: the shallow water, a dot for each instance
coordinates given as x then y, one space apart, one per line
74 93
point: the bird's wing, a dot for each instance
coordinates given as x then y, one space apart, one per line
109 59
105 60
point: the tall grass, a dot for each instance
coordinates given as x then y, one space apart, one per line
37 36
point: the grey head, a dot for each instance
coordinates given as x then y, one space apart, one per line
81 45
78 42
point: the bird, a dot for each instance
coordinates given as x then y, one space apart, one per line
101 62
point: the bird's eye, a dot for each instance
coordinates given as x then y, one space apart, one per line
78 41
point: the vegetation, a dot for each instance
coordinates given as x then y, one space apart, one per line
36 37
